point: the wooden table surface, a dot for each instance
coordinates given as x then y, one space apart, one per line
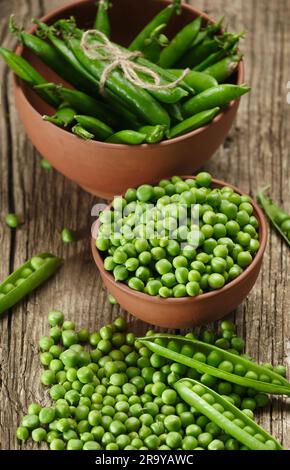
255 154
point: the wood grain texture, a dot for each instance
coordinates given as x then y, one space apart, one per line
255 154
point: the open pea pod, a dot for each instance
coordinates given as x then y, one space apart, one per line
182 350
27 278
249 434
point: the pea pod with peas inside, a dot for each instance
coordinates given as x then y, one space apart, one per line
209 359
219 96
231 420
278 217
27 278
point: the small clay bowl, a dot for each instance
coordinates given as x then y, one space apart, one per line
108 169
189 311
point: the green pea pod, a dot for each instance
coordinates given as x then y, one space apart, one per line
193 123
174 111
102 22
166 95
95 126
69 56
24 70
207 33
277 216
188 388
179 44
63 117
278 385
137 99
154 134
81 132
86 104
27 278
219 55
165 74
219 96
154 44
198 54
51 57
199 81
223 69
162 17
127 137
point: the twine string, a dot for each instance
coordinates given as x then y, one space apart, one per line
107 51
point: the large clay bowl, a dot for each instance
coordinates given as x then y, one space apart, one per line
106 169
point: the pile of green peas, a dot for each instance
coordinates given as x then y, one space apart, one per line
110 392
150 241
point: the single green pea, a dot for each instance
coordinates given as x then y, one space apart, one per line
47 415
57 444
216 281
12 220
39 435
55 318
48 378
22 433
68 236
192 288
203 179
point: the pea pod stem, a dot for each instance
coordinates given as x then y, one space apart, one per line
162 17
35 279
275 214
81 132
265 387
193 399
154 44
63 117
102 22
96 127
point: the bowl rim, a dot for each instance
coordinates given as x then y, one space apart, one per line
263 237
19 84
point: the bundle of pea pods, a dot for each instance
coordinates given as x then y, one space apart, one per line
193 72
113 391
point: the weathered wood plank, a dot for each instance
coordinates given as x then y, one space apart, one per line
256 153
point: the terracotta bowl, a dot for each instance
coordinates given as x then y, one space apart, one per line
188 312
107 169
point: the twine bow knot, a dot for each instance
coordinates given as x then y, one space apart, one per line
123 59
